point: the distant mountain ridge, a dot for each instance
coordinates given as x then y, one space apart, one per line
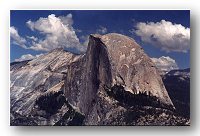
179 72
177 83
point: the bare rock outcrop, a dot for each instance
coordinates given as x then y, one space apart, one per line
113 61
96 88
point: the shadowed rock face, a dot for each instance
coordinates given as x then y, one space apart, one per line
110 60
89 83
177 82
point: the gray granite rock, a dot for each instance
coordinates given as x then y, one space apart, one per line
94 88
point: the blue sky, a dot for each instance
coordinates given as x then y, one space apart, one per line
144 26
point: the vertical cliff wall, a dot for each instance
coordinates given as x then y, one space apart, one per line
112 60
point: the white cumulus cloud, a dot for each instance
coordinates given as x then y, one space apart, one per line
165 63
85 38
58 33
32 38
102 30
16 38
165 35
27 57
55 32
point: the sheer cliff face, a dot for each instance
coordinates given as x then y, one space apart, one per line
111 60
116 59
113 74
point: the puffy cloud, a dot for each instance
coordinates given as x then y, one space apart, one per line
58 33
67 20
165 35
85 39
78 30
102 30
165 64
32 38
27 57
30 25
16 38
